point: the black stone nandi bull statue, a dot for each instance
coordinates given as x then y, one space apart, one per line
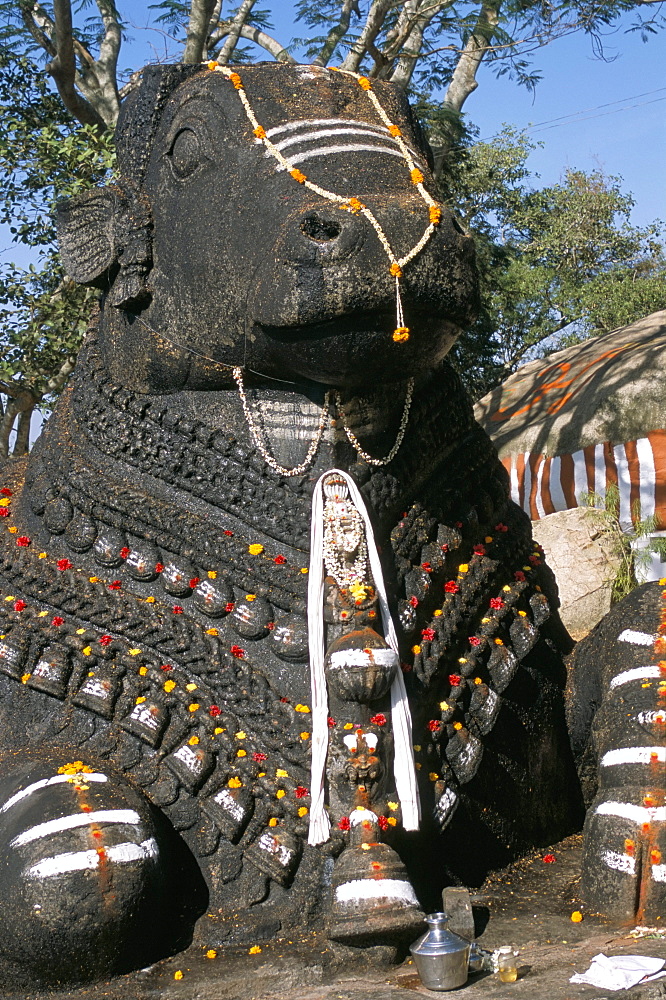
170 746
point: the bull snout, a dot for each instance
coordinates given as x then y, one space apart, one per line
320 236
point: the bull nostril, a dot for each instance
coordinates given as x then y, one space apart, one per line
320 230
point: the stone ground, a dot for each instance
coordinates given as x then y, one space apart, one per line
528 905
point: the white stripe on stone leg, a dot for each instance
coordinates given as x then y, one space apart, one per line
515 484
580 475
636 638
623 485
538 498
61 864
635 814
635 674
397 890
527 484
599 471
619 862
659 873
647 477
128 816
634 755
557 496
57 779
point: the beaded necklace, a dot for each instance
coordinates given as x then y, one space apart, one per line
350 203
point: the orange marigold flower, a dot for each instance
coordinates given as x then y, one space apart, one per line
416 175
364 83
576 917
260 132
298 176
401 334
394 130
236 80
396 270
356 205
435 213
212 64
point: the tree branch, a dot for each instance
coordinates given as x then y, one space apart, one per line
258 37
410 42
56 382
235 31
336 33
372 27
463 82
197 30
63 68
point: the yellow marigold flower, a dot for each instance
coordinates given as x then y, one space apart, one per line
5 502
169 686
240 735
392 821
395 270
302 708
356 205
241 753
662 582
477 680
250 597
457 725
281 773
444 705
80 631
435 214
304 569
150 600
42 614
438 612
416 650
236 80
576 916
193 741
260 132
498 642
348 725
280 794
134 652
298 176
506 588
394 130
303 811
484 621
13 530
212 574
178 974
392 806
488 539
462 659
76 767
418 765
528 569
193 707
211 953
143 671
212 631
463 567
92 579
254 950
401 334
25 678
523 614
262 774
218 730
416 175
86 650
140 700
417 747
305 736
212 64
42 555
235 783
255 549
272 821
190 687
364 83
433 776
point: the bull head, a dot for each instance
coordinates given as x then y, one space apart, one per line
210 252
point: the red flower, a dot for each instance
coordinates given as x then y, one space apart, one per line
194 581
229 606
124 552
166 666
548 859
519 575
23 541
428 633
454 680
534 559
406 667
382 822
4 511
259 757
57 621
237 651
496 603
451 587
344 823
5 492
64 564
444 547
300 792
214 711
474 640
177 610
501 527
159 567
19 605
105 640
330 721
434 726
230 533
378 720
480 550
270 626
115 585
458 524
414 601
285 701
427 567
280 560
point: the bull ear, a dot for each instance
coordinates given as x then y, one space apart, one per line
105 238
87 236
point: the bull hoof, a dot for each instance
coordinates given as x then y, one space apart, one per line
82 873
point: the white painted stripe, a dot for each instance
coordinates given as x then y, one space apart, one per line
637 814
359 658
636 638
647 477
380 888
624 485
580 475
515 484
128 816
634 755
527 484
619 862
358 816
57 779
88 860
659 873
356 147
636 674
295 140
306 123
599 471
557 496
539 499
650 717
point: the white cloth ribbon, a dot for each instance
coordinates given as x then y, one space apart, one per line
403 758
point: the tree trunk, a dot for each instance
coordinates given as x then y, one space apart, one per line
22 443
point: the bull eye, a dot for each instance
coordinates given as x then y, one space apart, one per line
185 154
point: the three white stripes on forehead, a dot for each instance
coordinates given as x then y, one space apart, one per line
315 129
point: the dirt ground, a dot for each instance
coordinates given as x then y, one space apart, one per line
528 905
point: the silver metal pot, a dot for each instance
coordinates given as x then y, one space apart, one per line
442 957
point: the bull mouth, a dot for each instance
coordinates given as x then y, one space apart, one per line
375 322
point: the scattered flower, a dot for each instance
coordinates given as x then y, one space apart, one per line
124 552
115 585
378 720
105 640
548 859
302 811
235 783
474 640
64 564
23 541
302 708
414 601
496 603
177 609
576 917
169 686
57 621
519 575
159 567
237 651
451 587
300 792
259 757
434 726
254 950
229 533
281 773
416 649
214 711
194 707
344 823
280 560
454 680
20 605
479 550
211 953
429 634
178 974
330 722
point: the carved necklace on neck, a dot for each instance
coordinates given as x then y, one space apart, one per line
350 203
